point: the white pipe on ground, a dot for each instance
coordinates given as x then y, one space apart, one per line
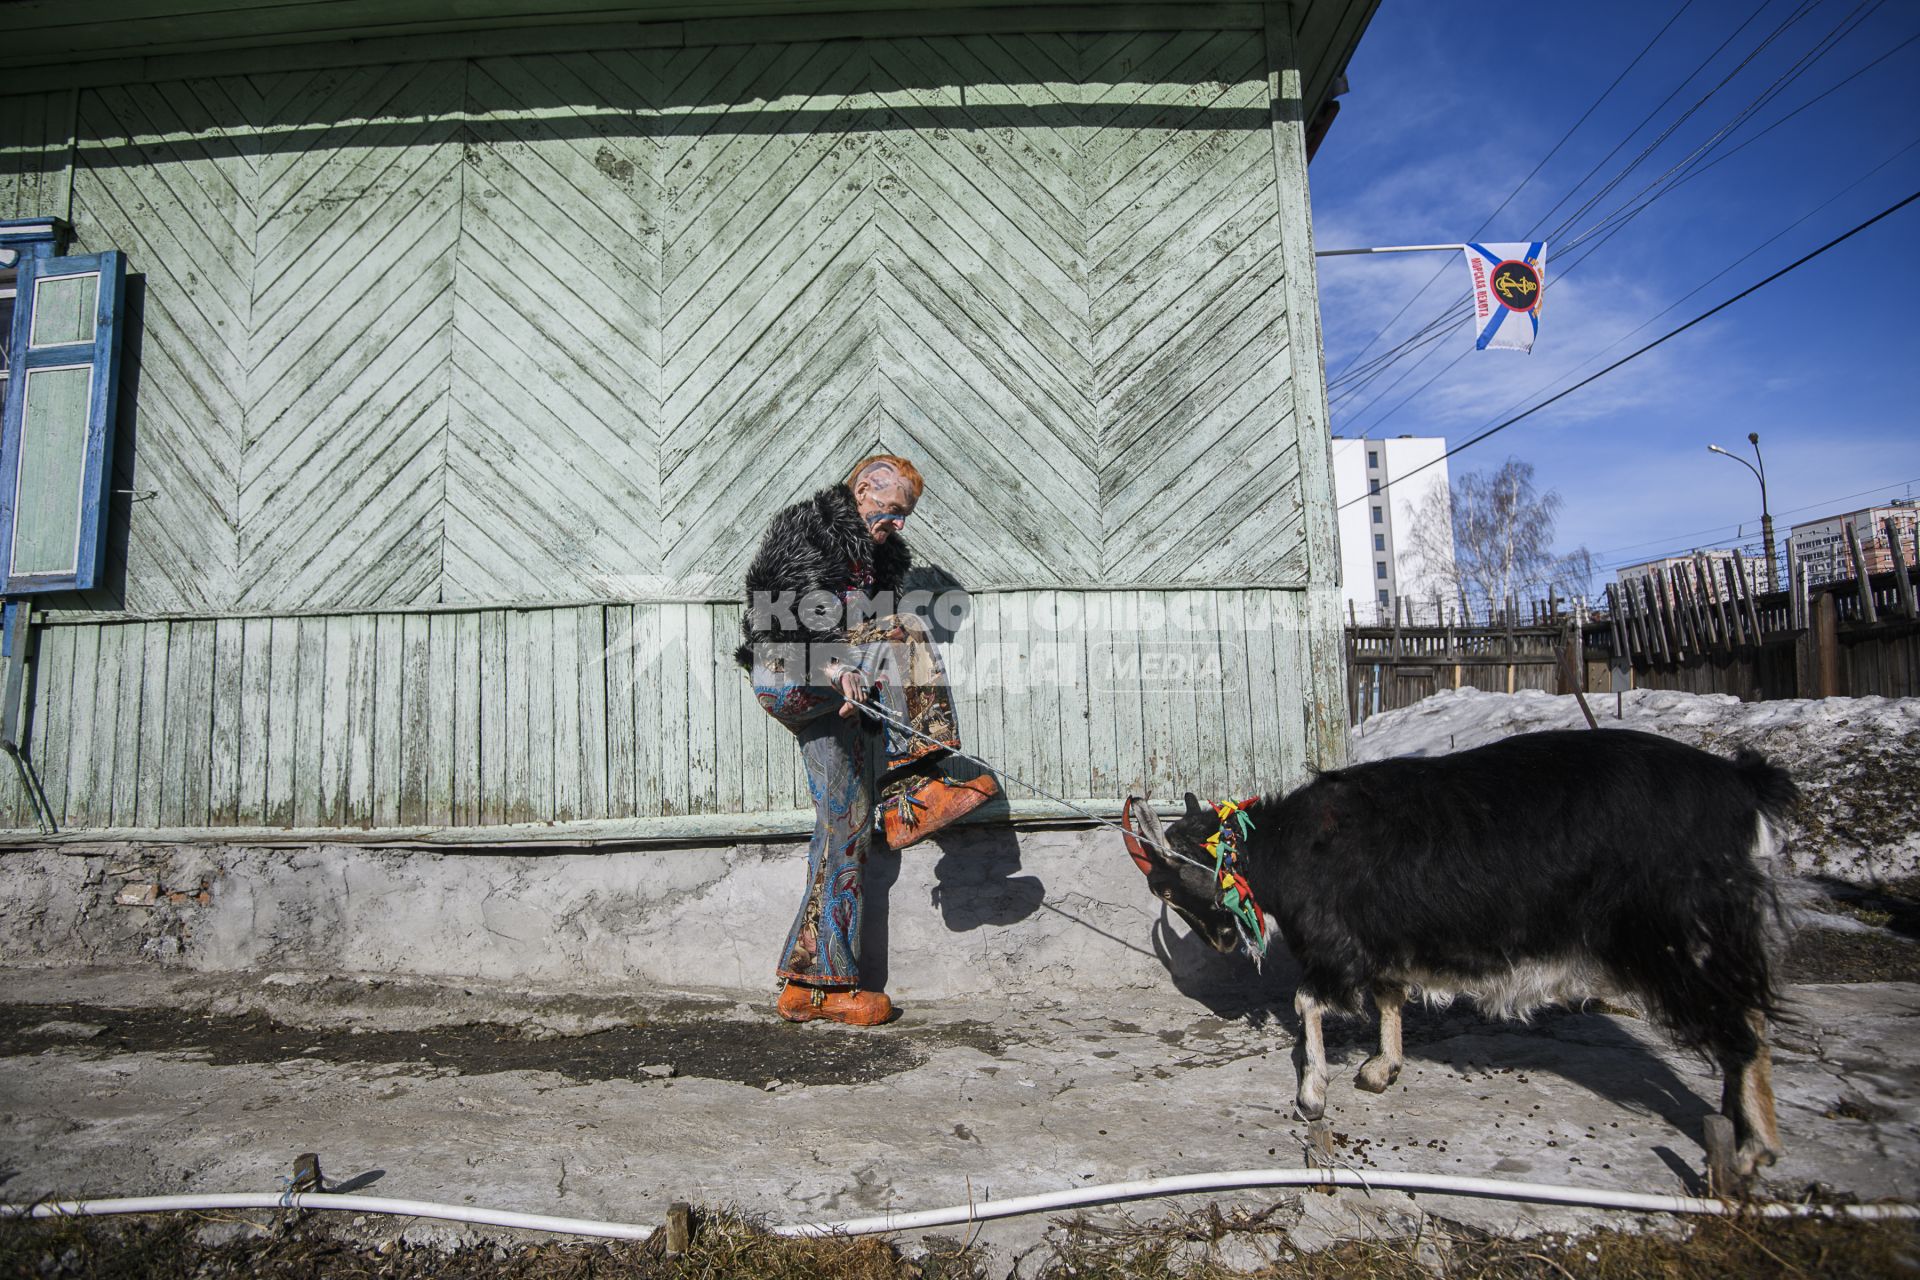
1437 1183
958 1215
329 1200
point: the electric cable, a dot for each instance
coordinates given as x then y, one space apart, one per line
1716 275
1685 81
1673 540
1614 221
1555 150
1628 210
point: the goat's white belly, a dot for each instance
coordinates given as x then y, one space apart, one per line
1515 992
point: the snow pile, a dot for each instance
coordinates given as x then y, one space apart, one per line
1857 760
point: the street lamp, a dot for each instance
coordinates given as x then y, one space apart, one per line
1766 517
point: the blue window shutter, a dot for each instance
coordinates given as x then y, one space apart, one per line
56 447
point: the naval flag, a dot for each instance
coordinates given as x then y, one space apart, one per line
1508 280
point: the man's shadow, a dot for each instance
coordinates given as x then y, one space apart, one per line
974 885
975 882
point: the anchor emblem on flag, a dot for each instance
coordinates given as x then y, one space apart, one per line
1509 281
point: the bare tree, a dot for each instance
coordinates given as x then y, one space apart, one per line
1575 575
1428 547
1502 529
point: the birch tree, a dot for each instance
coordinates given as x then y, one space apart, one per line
1502 532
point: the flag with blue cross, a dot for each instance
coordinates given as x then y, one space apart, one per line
1508 281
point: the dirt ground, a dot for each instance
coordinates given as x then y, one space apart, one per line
718 1048
1188 1247
111 1091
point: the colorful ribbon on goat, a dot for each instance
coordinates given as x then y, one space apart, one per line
1236 895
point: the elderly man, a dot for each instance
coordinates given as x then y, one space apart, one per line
821 635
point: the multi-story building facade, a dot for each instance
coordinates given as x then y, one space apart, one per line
1821 545
1384 490
1718 558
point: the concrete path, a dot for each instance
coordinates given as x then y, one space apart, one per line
139 1081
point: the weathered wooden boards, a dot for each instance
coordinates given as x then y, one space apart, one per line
34 133
562 330
566 327
477 718
1703 607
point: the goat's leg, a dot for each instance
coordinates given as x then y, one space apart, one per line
1311 1102
1747 1100
1379 1072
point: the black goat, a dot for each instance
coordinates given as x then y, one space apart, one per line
1538 869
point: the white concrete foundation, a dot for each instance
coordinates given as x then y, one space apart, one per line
984 911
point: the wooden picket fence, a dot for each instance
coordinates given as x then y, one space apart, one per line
1700 627
1704 628
1396 665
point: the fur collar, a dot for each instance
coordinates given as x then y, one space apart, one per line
840 519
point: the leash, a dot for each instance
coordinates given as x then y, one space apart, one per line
1236 895
875 713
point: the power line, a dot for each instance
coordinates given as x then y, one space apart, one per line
1426 338
1594 106
1612 182
1353 381
1799 67
1676 538
1684 116
1677 302
1818 97
1627 210
1672 333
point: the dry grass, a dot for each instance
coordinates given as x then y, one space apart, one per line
1704 1248
1181 1248
169 1247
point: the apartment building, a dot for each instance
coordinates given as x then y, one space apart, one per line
1821 544
1382 489
1719 560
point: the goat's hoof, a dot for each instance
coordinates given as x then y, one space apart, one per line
1375 1076
1752 1157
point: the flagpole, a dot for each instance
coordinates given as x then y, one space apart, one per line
1392 248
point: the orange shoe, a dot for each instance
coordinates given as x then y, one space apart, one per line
930 805
799 1003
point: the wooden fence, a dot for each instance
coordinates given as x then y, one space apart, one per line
1396 665
1701 627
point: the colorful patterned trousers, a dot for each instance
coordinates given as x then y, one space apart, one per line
845 760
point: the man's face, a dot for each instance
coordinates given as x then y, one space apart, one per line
884 500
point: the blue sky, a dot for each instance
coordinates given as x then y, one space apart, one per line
1445 118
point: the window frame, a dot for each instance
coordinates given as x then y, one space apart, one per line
34 246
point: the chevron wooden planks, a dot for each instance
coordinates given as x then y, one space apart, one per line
552 454
341 491
502 329
464 389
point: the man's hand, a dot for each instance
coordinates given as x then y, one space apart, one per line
852 688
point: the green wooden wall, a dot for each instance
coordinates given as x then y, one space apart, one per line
565 328
619 719
474 364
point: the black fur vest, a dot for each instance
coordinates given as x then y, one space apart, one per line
817 544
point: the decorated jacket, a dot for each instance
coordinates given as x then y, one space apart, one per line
817 544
